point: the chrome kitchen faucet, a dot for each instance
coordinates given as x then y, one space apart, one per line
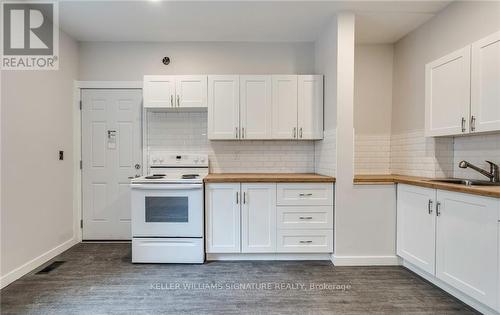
493 174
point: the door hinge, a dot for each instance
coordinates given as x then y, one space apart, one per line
81 224
81 106
81 164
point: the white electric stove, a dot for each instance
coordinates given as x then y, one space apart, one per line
167 210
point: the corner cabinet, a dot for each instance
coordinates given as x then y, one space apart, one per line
161 91
462 94
259 218
288 107
453 237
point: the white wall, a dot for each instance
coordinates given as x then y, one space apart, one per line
326 63
37 188
372 108
130 61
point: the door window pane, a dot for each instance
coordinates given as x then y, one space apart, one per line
167 209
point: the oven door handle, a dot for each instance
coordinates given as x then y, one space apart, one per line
166 186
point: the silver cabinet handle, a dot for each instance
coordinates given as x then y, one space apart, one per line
236 132
463 124
171 100
305 242
244 197
243 133
300 133
473 123
178 101
237 197
305 195
438 208
305 218
429 206
294 132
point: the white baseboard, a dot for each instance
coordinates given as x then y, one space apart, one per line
365 260
267 256
456 293
35 263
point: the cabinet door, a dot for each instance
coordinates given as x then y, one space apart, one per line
416 226
158 91
222 218
310 106
485 85
191 91
467 244
258 218
223 107
256 108
447 94
284 107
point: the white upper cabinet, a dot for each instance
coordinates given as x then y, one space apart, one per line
162 91
467 244
416 224
485 93
223 107
447 94
258 218
255 109
159 91
284 107
191 91
310 107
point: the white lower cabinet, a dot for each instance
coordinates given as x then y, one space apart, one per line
258 218
467 244
222 218
416 223
247 218
454 237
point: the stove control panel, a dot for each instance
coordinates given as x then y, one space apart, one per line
177 160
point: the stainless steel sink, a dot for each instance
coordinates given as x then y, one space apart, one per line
465 182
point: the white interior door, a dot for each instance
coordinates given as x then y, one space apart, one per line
447 94
159 91
284 107
223 107
191 90
310 106
256 107
111 153
485 85
258 218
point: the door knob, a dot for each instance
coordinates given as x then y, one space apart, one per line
137 166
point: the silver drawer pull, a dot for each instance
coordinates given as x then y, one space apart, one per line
305 195
305 242
305 218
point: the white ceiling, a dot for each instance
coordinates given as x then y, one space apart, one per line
276 21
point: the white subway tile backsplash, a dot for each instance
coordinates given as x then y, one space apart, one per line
476 149
325 153
372 154
187 132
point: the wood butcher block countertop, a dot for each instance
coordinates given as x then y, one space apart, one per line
267 178
488 191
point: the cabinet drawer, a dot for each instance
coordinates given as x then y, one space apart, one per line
305 194
305 241
305 217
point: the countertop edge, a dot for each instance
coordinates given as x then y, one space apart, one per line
267 178
424 182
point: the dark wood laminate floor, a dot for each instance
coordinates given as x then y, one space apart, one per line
99 279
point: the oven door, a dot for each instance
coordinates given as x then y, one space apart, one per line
167 210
